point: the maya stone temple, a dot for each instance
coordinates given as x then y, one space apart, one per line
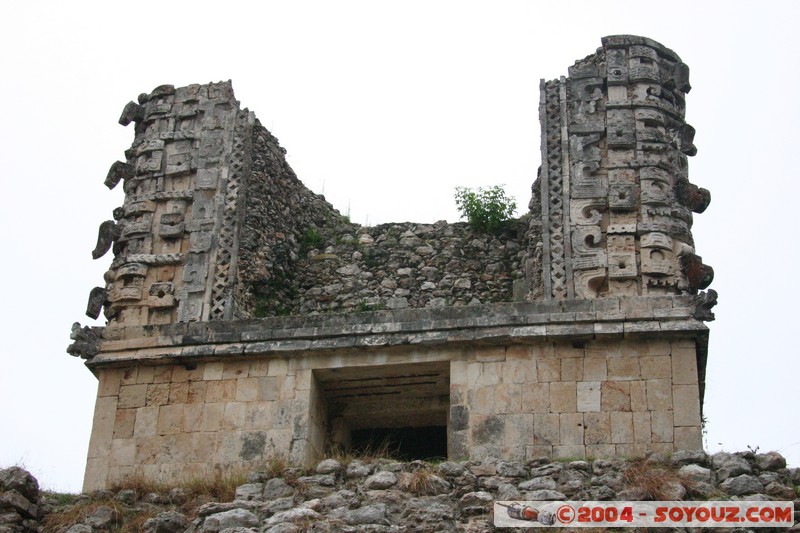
247 319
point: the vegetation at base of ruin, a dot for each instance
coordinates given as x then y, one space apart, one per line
486 210
421 481
220 486
311 239
653 478
122 520
371 452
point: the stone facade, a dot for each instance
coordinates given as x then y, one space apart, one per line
248 319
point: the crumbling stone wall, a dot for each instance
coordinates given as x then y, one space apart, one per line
298 255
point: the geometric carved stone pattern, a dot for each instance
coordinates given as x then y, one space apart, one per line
223 282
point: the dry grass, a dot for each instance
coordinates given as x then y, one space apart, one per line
652 478
372 452
420 482
221 486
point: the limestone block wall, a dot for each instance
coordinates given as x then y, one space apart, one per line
169 423
616 398
184 404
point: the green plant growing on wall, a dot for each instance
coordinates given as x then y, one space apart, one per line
486 210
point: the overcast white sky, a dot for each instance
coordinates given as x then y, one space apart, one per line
385 107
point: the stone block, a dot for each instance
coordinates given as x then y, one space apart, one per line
181 374
157 394
145 375
109 382
688 438
508 398
233 416
536 398
661 425
229 446
196 392
571 429
212 416
268 388
303 380
588 396
481 400
621 427
623 368
601 451
596 428
542 351
572 369
96 474
518 431
615 396
123 452
489 374
192 417
516 371
490 354
146 421
213 371
235 369
458 445
563 397
656 366
105 414
548 370
162 374
632 451
595 369
259 368
458 372
278 367
178 392
546 429
487 429
641 427
638 395
686 405
123 423
569 451
604 349
659 395
518 352
246 389
684 365
132 396
203 444
567 350
169 419
219 391
537 451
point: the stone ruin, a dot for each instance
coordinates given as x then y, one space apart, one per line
248 319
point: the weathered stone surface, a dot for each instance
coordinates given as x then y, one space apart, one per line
277 488
229 519
544 482
20 480
696 473
741 485
770 461
329 466
728 465
166 522
381 480
544 494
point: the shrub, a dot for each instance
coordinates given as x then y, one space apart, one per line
487 209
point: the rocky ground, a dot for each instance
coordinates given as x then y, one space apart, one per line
387 496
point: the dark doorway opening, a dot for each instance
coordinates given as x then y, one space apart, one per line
403 444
